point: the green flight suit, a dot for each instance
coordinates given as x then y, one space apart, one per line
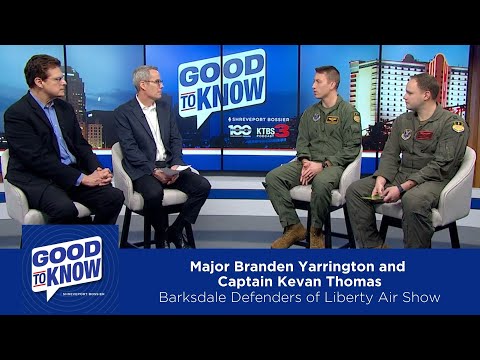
332 134
431 153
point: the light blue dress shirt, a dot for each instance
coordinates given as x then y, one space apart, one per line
66 156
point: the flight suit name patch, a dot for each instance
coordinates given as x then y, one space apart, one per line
424 135
458 126
332 120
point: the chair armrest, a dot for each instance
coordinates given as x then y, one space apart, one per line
455 198
17 203
121 179
350 174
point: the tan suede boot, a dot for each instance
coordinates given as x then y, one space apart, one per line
383 246
317 239
291 234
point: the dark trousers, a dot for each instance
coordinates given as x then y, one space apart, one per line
195 186
104 201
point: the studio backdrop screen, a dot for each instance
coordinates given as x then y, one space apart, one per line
12 82
235 103
238 106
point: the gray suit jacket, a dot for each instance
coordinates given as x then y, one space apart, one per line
136 138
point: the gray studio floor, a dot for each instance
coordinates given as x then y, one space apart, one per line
250 232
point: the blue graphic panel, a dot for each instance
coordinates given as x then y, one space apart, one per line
99 79
12 82
70 269
245 281
273 122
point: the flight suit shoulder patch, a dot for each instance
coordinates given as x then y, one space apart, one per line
356 116
458 126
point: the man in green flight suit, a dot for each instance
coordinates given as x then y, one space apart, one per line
329 138
423 152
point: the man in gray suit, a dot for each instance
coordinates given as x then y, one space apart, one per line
151 143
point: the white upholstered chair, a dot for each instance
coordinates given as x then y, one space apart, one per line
17 204
173 201
301 195
454 203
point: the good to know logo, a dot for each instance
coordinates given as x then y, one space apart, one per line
66 264
202 90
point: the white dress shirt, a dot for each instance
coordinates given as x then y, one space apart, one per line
152 119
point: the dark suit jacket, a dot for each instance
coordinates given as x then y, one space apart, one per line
136 138
34 153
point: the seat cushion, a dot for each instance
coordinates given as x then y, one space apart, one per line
170 197
304 193
394 210
83 211
34 217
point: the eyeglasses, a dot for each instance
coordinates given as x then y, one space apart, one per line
58 79
157 82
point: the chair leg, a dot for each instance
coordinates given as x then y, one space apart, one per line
348 224
309 225
125 228
383 228
147 233
454 235
328 232
161 239
190 238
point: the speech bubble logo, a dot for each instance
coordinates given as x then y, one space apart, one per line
205 86
66 264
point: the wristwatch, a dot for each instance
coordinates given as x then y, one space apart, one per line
325 164
401 189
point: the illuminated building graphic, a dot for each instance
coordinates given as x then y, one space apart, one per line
76 93
394 76
92 129
95 135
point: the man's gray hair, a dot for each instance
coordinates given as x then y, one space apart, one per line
142 73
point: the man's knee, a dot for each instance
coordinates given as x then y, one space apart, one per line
117 197
352 191
205 187
269 177
359 188
322 188
272 177
63 213
412 203
154 194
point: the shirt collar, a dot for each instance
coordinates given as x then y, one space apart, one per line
146 108
42 105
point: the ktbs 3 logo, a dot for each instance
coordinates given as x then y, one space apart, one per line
278 131
66 264
204 86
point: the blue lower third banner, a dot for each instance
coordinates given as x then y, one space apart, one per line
80 270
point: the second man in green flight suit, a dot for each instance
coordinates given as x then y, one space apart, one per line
422 154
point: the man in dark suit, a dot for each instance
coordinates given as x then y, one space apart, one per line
49 158
150 141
